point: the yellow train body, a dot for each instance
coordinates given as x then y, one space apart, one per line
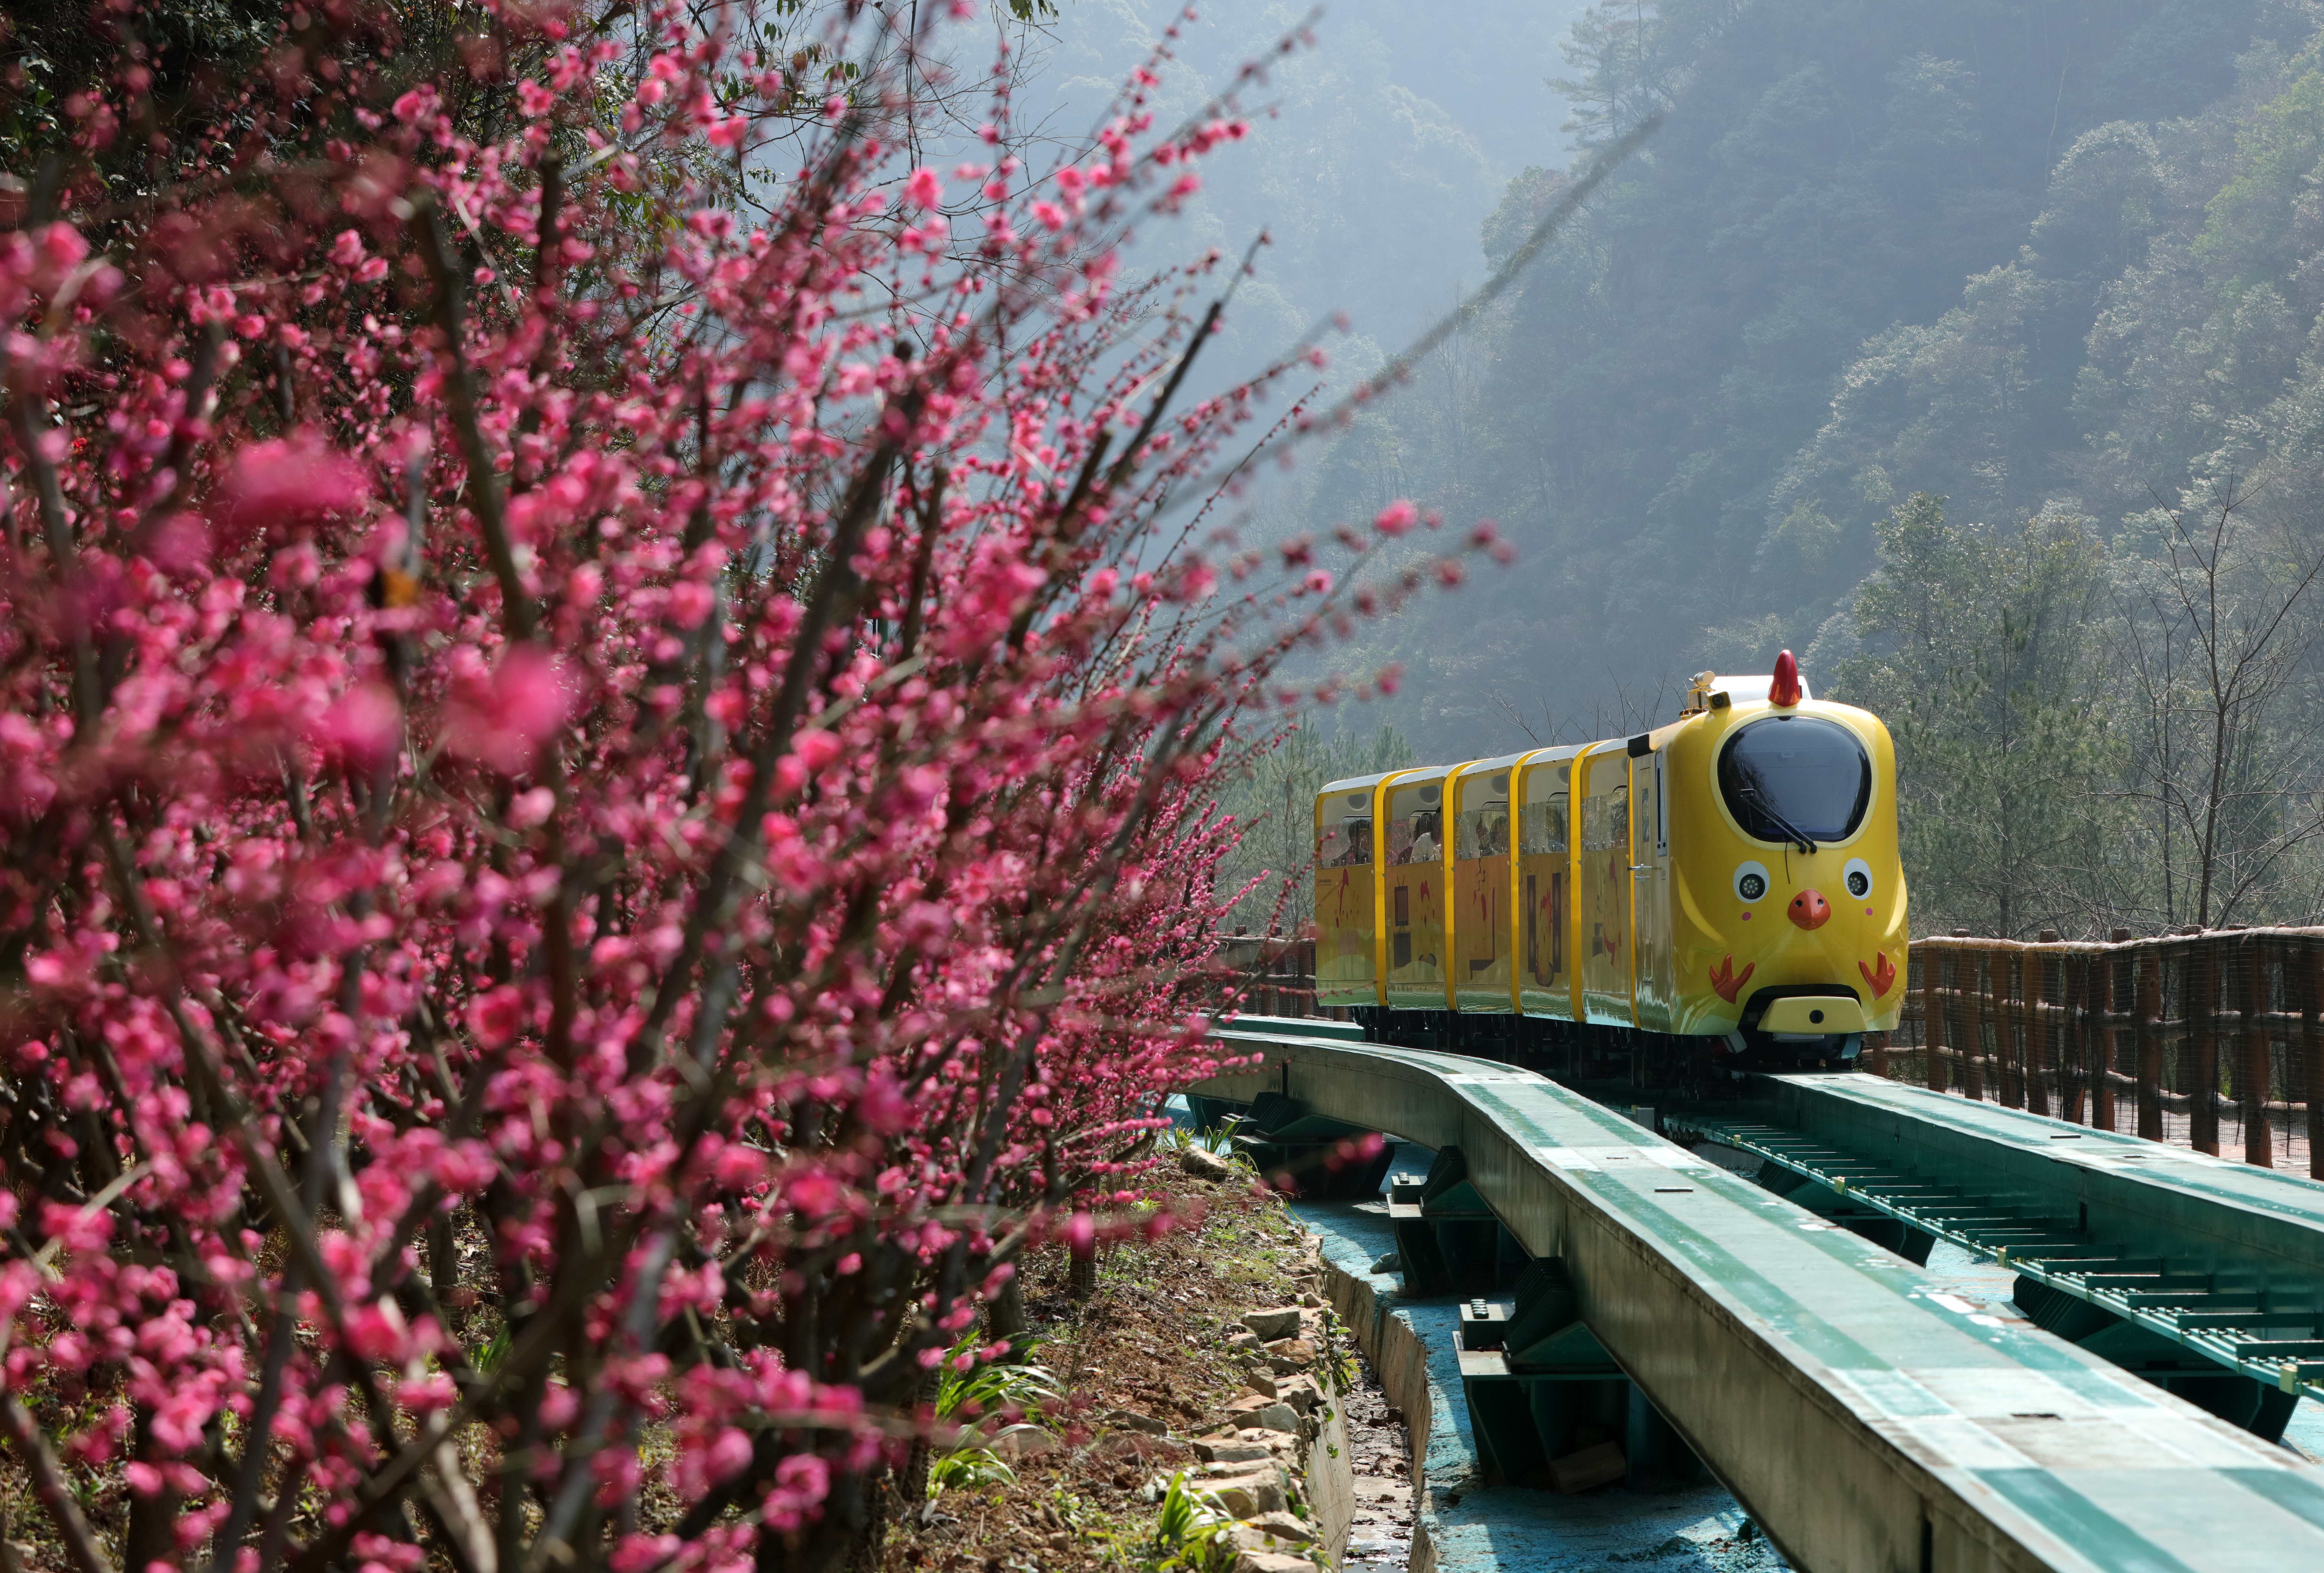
1731 875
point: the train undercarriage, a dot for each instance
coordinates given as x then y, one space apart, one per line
1608 1061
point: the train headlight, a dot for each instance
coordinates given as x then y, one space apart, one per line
1857 877
1750 880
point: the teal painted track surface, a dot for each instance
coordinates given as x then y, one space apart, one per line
1866 1423
2221 1259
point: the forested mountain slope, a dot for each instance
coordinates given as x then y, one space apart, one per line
1866 253
1975 349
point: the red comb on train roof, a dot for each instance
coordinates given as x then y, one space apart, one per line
1783 692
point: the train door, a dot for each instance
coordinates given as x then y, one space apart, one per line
1413 833
1655 981
1481 829
1543 927
1347 894
1602 866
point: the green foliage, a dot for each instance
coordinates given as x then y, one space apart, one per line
1982 652
50 50
968 1470
2277 149
982 1392
1191 1531
1004 1387
1219 1142
1338 1359
494 1351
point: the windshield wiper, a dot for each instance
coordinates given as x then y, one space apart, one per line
1799 837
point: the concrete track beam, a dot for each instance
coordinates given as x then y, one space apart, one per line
1868 1426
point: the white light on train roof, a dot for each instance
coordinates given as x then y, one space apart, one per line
1759 686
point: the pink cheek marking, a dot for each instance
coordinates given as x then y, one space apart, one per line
1747 917
1868 912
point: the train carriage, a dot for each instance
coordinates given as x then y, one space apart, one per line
1729 879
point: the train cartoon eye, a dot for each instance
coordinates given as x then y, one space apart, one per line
1857 878
1750 880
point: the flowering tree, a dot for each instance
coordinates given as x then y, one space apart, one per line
607 779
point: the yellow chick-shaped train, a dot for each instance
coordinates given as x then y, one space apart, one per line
1730 879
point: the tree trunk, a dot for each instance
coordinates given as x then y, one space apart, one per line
912 1483
1004 1316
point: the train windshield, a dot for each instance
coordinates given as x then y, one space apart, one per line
1783 775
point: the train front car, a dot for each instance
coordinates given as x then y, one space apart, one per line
1787 918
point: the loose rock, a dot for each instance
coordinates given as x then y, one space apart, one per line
1286 1356
1272 1562
1203 1164
1126 1444
1299 1391
1285 1526
1024 1442
1234 1452
1280 1322
1247 1496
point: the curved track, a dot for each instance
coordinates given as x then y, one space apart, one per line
1870 1426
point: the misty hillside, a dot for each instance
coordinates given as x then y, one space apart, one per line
1380 148
1877 246
1970 349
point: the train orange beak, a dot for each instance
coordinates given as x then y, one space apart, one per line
1808 909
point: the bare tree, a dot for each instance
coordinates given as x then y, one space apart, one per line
1633 707
2217 629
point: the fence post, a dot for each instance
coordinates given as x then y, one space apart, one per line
2256 1075
1972 1000
2074 1037
2200 1011
1999 996
2008 975
2116 974
2032 971
1932 1003
2148 1039
2097 1050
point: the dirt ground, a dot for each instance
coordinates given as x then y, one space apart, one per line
1152 1341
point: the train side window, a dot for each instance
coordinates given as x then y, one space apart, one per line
1481 828
1415 823
1606 820
1343 837
1541 822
